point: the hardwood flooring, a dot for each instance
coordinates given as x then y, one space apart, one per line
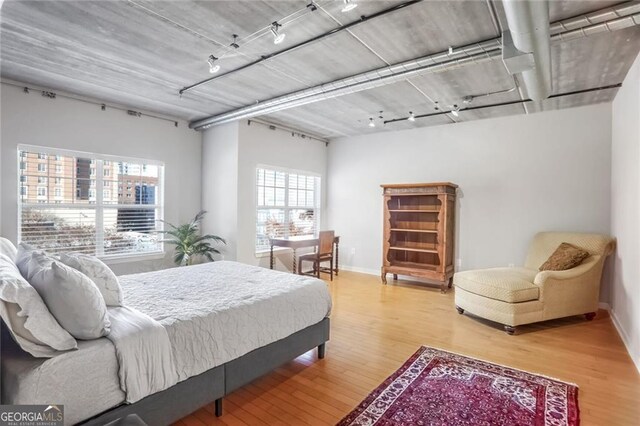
375 328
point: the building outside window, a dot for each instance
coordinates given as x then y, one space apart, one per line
83 219
42 167
287 204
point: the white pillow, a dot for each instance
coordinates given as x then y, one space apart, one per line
8 249
99 273
27 318
72 298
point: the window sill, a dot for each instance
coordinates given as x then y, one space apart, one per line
129 258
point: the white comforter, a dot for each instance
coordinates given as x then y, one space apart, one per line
144 353
216 312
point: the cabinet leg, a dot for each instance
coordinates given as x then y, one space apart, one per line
395 277
218 407
510 330
450 282
460 310
384 277
590 316
443 288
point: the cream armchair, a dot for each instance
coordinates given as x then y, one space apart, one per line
523 295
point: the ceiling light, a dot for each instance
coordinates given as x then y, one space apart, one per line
349 5
411 116
372 123
213 67
455 110
277 38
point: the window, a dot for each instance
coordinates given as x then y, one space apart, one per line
287 203
58 168
42 156
23 178
42 167
85 217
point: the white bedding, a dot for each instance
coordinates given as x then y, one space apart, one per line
216 312
144 353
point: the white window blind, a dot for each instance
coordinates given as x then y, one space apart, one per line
287 203
79 206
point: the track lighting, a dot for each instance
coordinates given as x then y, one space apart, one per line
213 67
412 117
234 42
371 122
349 5
277 37
455 109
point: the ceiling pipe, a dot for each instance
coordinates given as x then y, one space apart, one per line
529 29
475 53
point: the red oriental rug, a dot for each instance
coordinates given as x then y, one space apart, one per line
435 387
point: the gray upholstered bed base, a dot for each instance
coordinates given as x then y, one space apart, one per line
178 401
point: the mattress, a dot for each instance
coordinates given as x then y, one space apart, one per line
216 312
85 381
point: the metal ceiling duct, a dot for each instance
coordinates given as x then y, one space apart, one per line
529 27
618 17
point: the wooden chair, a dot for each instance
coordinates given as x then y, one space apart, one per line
323 253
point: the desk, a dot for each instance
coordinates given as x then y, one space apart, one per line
301 241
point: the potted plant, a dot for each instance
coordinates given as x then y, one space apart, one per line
189 243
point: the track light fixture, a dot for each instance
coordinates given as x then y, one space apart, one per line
371 122
277 37
412 117
213 67
455 109
234 42
349 5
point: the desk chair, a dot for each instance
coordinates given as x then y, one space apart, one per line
323 253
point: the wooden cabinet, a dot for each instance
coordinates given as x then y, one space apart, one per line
419 225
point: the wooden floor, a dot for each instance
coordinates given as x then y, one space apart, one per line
375 328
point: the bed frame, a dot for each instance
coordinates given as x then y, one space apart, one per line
180 400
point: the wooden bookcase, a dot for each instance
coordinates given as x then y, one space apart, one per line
419 225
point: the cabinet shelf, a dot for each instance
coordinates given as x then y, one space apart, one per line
419 250
414 210
426 231
415 265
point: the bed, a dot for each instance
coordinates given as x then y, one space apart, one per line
227 323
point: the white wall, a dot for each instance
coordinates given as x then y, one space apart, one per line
220 185
70 124
625 211
518 175
256 145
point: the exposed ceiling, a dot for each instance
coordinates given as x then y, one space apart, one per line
140 53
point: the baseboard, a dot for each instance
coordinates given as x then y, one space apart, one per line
605 306
360 270
625 338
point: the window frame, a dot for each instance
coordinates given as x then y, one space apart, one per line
286 208
99 160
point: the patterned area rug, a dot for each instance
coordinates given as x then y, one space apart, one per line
435 387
